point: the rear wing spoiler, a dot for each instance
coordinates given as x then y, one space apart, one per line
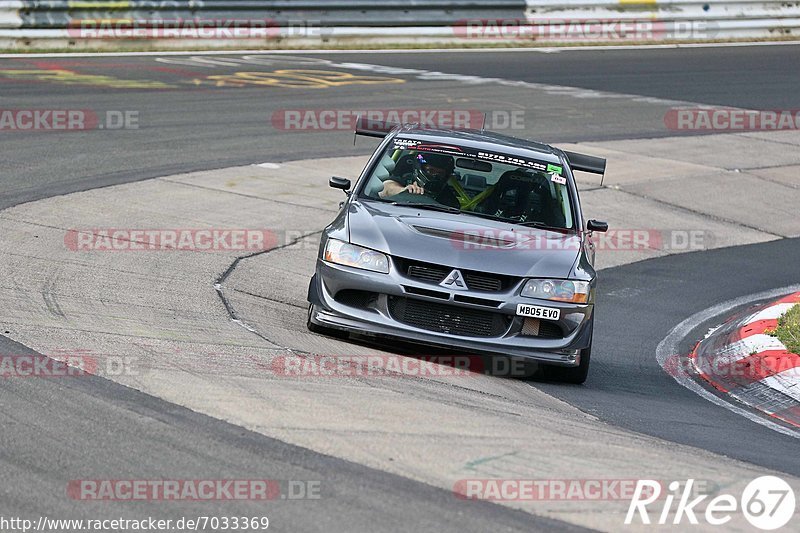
373 128
587 163
380 128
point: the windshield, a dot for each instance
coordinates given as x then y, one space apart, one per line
487 184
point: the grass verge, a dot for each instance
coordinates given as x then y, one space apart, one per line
788 330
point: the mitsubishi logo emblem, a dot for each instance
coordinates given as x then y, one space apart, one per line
454 281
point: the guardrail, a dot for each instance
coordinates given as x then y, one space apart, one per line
318 22
327 13
9 14
710 19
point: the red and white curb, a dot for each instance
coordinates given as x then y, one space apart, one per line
742 361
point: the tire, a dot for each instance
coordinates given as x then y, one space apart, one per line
322 330
573 374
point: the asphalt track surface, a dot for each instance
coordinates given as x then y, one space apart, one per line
197 127
748 77
60 429
637 307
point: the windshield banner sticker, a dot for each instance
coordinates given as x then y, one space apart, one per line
414 144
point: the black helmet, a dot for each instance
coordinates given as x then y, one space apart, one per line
438 161
433 182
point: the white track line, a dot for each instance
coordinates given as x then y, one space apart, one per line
544 49
669 347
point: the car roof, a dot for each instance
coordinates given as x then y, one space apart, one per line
483 140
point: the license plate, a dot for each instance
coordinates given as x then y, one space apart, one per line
547 313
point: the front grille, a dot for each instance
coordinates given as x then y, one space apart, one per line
476 301
428 273
355 298
427 292
444 318
477 281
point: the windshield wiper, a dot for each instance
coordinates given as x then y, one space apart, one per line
541 225
531 223
487 215
432 207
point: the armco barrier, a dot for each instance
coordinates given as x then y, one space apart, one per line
9 14
43 23
692 19
327 13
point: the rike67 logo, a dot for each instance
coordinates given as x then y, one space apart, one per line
767 502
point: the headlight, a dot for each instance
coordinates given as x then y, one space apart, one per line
557 289
343 253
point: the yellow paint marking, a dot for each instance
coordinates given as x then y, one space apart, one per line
68 77
299 79
101 22
112 4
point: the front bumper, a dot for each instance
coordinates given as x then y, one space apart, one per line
377 318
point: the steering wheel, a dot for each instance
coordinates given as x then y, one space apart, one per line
412 198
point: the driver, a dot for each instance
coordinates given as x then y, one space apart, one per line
429 175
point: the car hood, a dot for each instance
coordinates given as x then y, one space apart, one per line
462 241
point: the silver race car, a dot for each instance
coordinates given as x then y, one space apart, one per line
467 240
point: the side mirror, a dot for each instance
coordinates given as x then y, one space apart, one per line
596 225
339 183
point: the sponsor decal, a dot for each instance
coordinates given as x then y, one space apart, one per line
554 168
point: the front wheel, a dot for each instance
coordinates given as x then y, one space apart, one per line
572 374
